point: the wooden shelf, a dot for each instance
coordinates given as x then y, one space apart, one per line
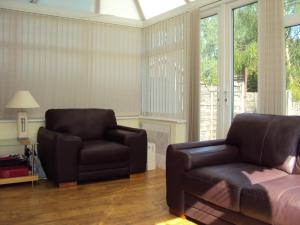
13 180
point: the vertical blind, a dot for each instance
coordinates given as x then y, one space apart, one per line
271 79
165 63
67 63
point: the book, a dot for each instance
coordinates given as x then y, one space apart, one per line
13 171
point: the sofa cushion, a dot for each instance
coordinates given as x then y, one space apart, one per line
280 145
266 140
85 123
222 184
105 166
275 201
247 132
101 151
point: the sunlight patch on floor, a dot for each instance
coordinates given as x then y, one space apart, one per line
177 221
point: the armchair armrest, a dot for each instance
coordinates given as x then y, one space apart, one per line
58 153
136 140
187 156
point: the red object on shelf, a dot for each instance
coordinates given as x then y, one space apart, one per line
13 171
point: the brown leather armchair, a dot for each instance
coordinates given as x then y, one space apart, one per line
87 144
251 177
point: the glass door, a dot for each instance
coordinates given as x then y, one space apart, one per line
209 77
228 66
244 78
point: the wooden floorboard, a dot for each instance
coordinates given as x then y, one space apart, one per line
138 200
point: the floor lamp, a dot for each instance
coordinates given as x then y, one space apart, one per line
22 100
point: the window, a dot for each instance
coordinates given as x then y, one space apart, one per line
209 80
245 35
291 7
77 5
155 7
120 8
292 56
292 47
163 85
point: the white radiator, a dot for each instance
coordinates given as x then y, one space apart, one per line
151 156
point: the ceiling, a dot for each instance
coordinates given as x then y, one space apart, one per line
130 9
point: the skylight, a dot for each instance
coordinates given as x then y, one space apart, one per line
129 9
155 7
75 5
120 8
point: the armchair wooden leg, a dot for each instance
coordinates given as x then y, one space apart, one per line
176 213
67 184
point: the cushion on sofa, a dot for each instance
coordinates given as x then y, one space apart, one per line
266 140
222 184
280 145
85 123
276 201
247 132
99 152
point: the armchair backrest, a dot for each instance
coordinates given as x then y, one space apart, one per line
85 123
267 140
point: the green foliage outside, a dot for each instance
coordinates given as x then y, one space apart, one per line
291 7
245 29
292 37
209 51
245 47
292 43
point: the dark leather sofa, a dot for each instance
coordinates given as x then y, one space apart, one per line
87 144
252 177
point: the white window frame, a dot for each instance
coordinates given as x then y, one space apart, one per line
291 20
230 58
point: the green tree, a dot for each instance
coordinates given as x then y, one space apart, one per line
292 40
291 6
209 51
245 45
245 48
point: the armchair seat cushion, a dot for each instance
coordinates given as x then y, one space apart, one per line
276 201
222 184
101 152
104 166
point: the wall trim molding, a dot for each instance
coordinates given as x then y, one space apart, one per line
161 119
118 118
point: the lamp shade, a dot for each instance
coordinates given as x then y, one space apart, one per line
22 100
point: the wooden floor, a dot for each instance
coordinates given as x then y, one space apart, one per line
138 200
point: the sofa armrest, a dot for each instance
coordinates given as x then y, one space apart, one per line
188 156
58 153
197 144
204 155
136 140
